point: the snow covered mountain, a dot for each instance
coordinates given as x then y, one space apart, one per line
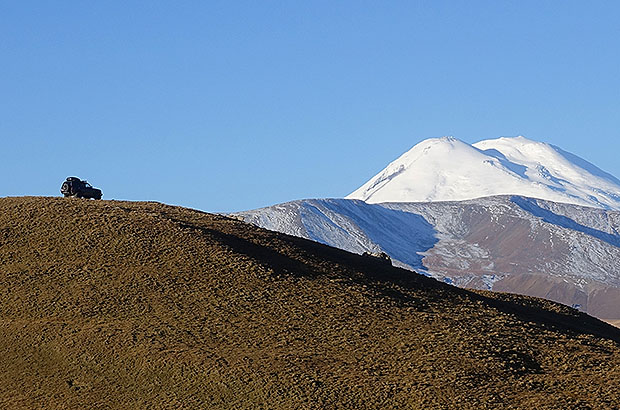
508 214
447 169
563 252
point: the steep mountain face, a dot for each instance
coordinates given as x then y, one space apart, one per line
109 304
562 252
447 169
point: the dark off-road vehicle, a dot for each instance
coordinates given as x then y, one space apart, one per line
80 189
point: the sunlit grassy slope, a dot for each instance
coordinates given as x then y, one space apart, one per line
107 304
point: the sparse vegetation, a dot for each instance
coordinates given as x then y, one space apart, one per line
141 305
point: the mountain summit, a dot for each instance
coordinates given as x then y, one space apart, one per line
448 169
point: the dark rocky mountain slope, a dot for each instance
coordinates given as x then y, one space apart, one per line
141 305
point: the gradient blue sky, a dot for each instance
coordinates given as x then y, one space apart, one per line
232 105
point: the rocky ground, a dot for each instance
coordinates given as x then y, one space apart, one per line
107 304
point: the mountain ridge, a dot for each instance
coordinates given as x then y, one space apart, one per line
563 252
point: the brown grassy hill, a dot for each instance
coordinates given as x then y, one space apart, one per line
141 305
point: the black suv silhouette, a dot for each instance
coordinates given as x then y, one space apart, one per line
75 187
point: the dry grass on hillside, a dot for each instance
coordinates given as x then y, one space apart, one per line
142 305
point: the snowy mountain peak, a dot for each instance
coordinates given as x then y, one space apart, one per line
448 169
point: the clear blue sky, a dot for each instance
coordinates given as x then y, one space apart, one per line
232 105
